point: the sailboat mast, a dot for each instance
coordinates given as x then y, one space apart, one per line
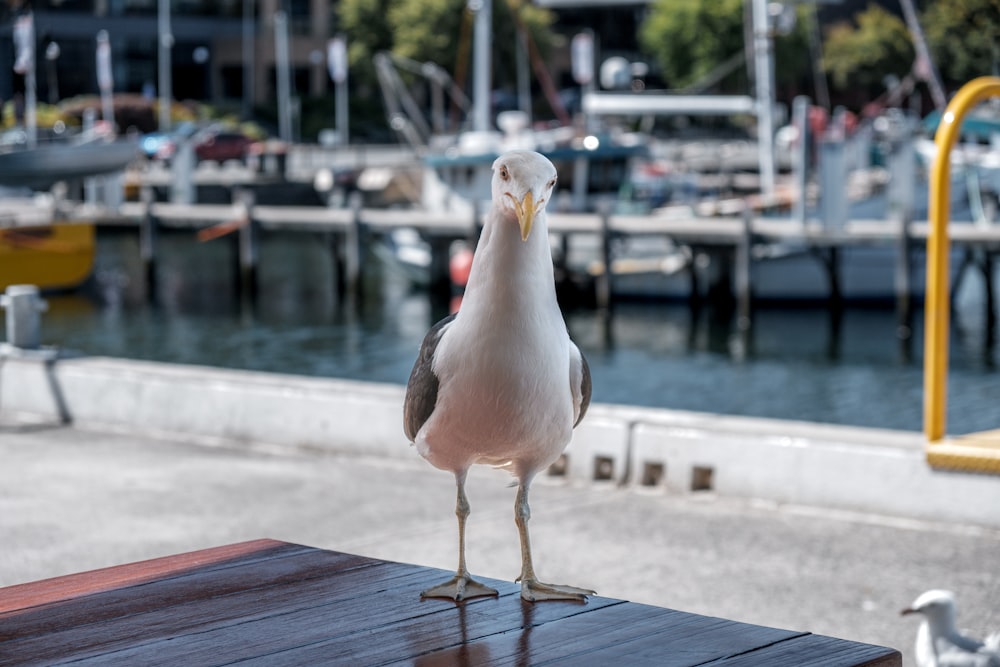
925 69
481 64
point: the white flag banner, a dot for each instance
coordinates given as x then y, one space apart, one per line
336 59
104 79
582 54
24 44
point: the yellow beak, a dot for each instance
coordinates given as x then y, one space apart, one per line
525 210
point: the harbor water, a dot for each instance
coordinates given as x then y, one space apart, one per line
802 363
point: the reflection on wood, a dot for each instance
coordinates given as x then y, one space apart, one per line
275 603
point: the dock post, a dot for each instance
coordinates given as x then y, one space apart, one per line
694 276
742 278
148 233
247 241
904 280
990 315
354 252
603 285
832 264
24 307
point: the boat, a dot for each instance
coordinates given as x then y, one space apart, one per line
594 166
56 256
975 159
42 167
37 245
455 168
456 181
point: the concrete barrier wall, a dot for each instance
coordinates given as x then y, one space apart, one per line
208 403
848 468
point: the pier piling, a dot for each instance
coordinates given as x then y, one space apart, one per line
349 253
148 233
742 268
904 279
603 284
721 269
247 242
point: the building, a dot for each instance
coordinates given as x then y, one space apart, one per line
207 57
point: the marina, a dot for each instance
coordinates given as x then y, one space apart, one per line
790 342
250 281
673 253
797 362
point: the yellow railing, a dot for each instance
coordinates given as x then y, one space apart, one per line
977 452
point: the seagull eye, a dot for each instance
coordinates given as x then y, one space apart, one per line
551 184
504 174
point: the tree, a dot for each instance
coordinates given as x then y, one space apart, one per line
440 31
367 26
859 58
963 37
690 39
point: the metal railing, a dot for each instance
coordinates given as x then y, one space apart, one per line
976 452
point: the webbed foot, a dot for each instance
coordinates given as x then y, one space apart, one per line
533 590
458 588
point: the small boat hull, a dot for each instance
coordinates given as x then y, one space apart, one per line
40 168
53 257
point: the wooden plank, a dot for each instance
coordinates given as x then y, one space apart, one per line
660 637
461 627
218 579
307 218
119 619
264 622
280 604
60 589
818 651
193 215
623 633
714 230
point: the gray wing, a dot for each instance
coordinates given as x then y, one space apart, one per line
579 382
422 388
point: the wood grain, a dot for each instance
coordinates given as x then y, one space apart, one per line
273 603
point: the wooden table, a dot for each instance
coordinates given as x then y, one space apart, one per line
274 603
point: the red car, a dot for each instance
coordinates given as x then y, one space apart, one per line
222 146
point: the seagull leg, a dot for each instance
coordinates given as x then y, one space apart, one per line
533 590
462 586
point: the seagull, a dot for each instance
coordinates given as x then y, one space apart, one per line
940 644
500 382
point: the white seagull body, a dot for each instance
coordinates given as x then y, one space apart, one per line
500 382
939 642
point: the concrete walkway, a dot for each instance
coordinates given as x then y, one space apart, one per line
73 499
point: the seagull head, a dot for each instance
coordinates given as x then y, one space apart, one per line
937 606
523 182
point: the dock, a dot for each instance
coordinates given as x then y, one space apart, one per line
728 243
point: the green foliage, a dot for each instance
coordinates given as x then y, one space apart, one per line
862 56
439 31
792 59
430 30
367 27
963 37
688 39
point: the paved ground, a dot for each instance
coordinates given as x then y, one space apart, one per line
73 500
